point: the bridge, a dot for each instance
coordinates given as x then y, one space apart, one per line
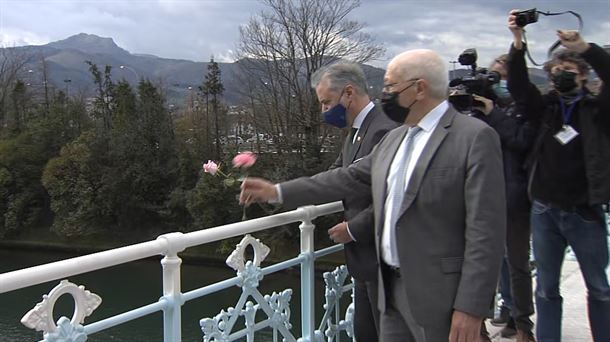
250 306
243 320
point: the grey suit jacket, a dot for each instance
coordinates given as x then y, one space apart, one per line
451 227
360 255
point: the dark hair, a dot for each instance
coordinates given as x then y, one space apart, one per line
568 56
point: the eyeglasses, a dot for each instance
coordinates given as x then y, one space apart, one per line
386 87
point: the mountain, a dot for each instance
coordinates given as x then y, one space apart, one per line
89 43
67 70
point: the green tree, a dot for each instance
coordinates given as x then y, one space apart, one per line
76 184
24 202
143 159
12 62
119 177
124 111
213 89
211 203
104 100
19 106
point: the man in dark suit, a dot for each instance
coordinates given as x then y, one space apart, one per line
438 196
342 92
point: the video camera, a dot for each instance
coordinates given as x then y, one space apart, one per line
479 82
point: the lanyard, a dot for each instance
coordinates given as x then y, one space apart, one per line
567 112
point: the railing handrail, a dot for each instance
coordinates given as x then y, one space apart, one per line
171 243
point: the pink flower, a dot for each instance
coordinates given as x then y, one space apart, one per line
210 167
244 159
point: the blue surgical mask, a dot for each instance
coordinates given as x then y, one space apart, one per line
336 115
501 90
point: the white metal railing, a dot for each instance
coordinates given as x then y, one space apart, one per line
172 299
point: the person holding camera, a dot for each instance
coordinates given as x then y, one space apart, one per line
569 167
516 137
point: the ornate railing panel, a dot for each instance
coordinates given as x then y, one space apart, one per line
276 306
332 324
40 318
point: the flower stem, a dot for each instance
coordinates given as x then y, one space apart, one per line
243 216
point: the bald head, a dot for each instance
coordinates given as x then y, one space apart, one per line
421 64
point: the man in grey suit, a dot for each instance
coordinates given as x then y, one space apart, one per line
342 91
437 187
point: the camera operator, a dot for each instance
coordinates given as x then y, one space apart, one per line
516 136
569 175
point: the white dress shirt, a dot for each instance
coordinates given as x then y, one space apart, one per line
389 250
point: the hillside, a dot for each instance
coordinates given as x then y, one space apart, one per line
67 70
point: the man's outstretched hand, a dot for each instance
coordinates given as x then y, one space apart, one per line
257 190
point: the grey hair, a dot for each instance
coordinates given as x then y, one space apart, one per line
340 75
427 65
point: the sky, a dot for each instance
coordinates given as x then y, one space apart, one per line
197 29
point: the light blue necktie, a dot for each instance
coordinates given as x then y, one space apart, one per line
397 194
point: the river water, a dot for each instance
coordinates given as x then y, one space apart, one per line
132 285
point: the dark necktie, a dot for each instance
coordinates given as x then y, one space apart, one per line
350 140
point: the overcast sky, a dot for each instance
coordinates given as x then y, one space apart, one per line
196 29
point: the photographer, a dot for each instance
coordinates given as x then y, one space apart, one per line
569 175
516 137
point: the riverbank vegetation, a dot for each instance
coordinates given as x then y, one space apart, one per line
115 164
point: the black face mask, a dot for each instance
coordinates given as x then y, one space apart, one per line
564 81
391 107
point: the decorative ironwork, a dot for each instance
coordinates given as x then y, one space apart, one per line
332 324
214 329
237 259
280 304
66 332
275 306
40 318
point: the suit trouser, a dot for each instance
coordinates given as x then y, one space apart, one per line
366 311
397 322
517 252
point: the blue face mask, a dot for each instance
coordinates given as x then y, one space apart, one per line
501 89
336 115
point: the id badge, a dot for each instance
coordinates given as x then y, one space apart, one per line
566 134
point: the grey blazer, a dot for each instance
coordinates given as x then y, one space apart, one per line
451 226
360 255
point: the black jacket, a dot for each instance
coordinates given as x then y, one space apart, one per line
593 120
516 136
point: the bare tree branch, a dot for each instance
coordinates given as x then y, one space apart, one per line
281 48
